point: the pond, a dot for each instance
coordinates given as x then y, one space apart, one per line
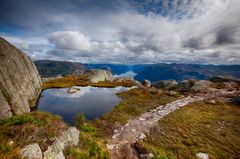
93 102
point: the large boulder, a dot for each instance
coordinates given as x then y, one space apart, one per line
166 84
186 85
20 83
201 86
100 75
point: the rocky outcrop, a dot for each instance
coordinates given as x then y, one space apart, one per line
146 83
200 86
166 84
20 83
32 151
186 85
69 137
123 79
100 75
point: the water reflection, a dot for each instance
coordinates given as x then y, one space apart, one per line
93 102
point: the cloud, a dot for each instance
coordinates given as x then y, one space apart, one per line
183 31
70 40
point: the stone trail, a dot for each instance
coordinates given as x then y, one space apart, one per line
135 129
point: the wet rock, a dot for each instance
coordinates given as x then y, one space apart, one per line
201 155
20 83
32 151
100 75
166 84
146 83
73 89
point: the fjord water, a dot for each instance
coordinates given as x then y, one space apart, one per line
93 102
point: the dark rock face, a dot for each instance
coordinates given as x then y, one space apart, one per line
20 83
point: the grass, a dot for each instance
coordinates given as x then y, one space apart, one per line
91 145
134 103
21 130
81 80
198 127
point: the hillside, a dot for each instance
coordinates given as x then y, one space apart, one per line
181 72
48 68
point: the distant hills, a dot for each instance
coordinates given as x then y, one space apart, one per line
117 69
181 72
152 72
48 68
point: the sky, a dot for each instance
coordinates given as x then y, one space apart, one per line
124 31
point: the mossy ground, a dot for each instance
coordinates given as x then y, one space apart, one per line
91 145
19 131
198 127
81 80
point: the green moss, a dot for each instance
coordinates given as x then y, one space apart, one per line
91 145
22 119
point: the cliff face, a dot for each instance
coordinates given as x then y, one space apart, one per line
20 83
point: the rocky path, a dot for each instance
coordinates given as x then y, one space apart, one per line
120 145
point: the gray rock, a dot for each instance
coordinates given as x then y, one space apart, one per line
73 89
100 75
32 151
138 83
146 156
200 86
70 137
186 85
124 79
146 83
201 155
172 93
167 84
20 83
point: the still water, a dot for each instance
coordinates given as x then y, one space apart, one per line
93 102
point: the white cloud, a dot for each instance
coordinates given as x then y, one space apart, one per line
194 31
70 40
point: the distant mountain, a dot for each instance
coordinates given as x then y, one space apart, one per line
48 68
181 72
118 69
152 72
